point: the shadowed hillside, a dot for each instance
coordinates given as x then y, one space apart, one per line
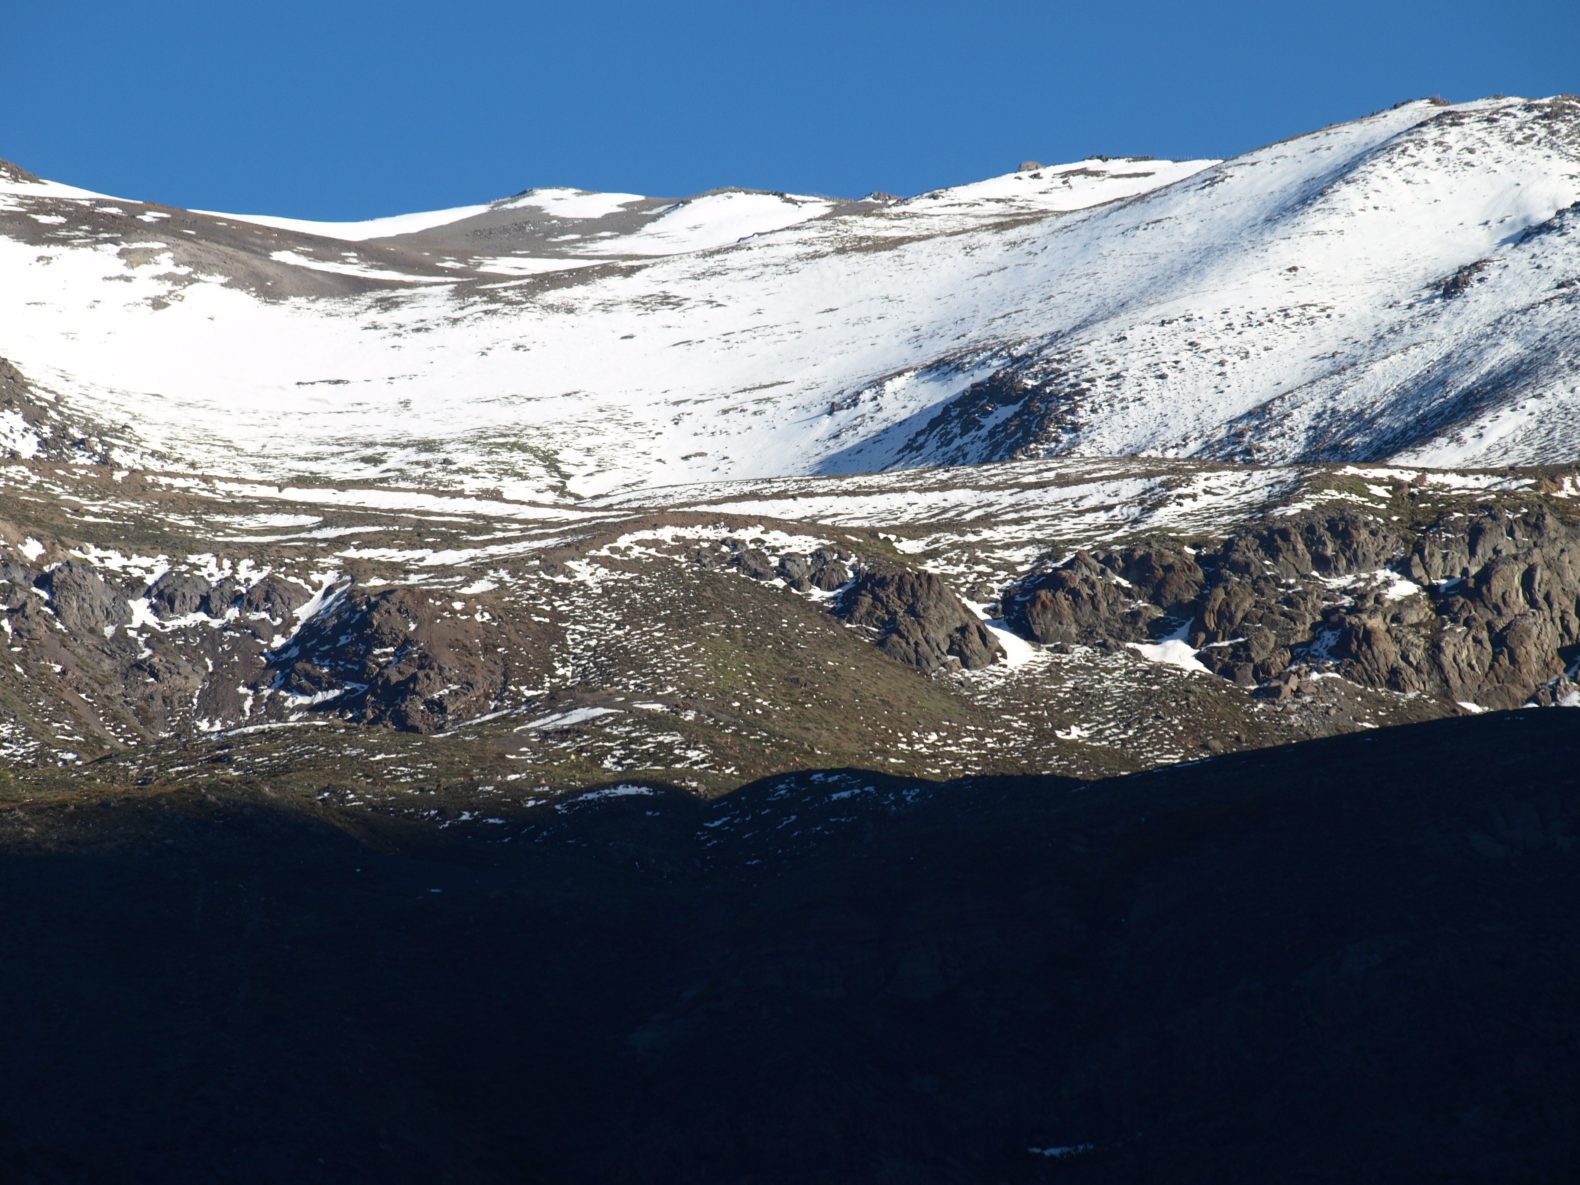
1346 960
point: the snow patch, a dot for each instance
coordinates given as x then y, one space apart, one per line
568 718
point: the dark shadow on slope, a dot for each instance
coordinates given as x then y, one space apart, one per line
1435 401
1347 960
895 445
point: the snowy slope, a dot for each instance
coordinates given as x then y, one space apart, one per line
370 228
1400 286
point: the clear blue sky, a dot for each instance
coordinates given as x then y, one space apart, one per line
349 108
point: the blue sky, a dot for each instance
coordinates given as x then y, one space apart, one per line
346 108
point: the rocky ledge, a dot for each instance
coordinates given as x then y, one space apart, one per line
1481 606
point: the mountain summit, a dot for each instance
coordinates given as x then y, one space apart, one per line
1402 287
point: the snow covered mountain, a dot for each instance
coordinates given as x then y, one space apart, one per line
1406 286
1081 468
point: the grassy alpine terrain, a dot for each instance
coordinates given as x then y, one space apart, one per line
1071 617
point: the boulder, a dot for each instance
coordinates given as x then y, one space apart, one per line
1078 601
224 596
178 594
83 600
915 617
274 597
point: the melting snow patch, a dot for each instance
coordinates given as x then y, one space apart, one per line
1173 653
625 790
329 592
252 728
295 259
1398 588
1017 650
16 436
356 232
574 716
321 697
571 203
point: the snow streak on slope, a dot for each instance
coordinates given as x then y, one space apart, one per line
1403 284
371 228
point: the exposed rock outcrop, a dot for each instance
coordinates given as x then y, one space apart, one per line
179 594
912 616
1481 609
36 427
399 657
83 600
821 570
915 618
1080 600
274 597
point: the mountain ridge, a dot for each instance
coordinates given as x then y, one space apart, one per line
629 367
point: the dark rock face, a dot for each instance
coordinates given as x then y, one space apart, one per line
1329 543
394 658
222 597
178 594
1509 597
15 583
1482 609
274 597
212 656
1078 601
916 619
83 600
822 570
1167 575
